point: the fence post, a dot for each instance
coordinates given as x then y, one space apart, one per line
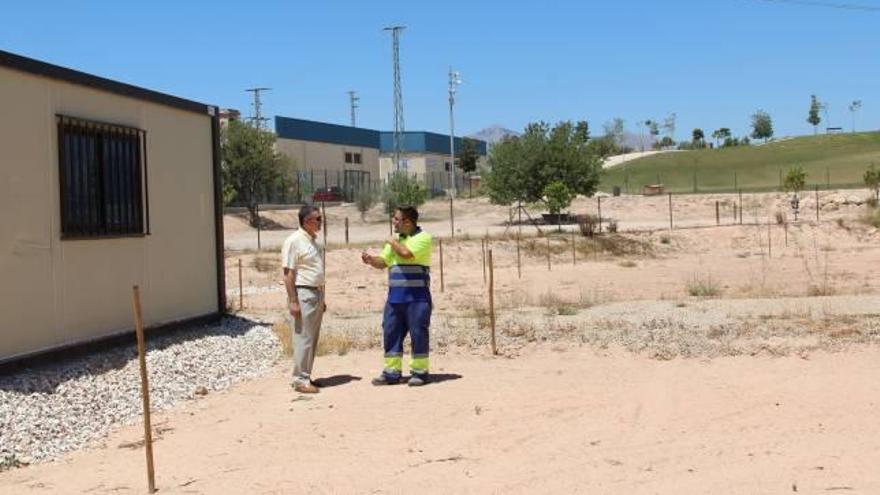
817 204
483 258
670 211
259 224
573 248
240 288
599 201
492 301
346 230
145 388
717 213
548 254
442 282
518 262
740 207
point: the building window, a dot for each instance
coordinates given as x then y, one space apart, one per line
102 172
348 158
446 166
357 158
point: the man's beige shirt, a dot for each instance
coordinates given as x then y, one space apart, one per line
305 255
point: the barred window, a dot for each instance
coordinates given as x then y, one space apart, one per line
102 171
348 157
357 158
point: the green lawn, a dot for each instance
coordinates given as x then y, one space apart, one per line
838 160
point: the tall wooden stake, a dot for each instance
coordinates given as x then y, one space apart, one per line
492 301
483 258
518 262
717 213
259 225
817 204
548 254
670 211
740 207
346 230
573 248
451 218
599 207
145 387
240 288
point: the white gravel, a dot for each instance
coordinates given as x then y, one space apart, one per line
49 410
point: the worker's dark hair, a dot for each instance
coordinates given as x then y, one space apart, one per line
306 211
409 212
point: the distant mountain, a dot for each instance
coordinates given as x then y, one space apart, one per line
493 134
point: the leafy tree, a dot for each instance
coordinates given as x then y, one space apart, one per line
794 180
698 136
762 125
523 166
614 131
872 180
249 164
664 143
364 199
813 118
558 197
468 155
403 190
720 135
653 127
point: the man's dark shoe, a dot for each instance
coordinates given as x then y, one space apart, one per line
417 380
306 388
385 380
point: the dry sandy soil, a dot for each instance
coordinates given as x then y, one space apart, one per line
697 360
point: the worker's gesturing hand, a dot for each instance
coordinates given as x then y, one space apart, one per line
294 308
366 258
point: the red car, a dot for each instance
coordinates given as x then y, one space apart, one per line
327 194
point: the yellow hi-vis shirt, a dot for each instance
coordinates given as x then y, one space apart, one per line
420 244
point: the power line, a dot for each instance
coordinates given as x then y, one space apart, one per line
830 5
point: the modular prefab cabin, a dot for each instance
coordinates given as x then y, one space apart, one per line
103 186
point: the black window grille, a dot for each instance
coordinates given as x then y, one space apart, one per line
348 157
102 171
357 158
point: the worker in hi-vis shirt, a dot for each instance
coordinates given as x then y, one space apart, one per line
407 257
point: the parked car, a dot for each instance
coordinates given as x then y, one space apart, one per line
327 194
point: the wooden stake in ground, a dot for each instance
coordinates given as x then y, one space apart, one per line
599 207
769 244
442 283
817 204
670 211
259 224
145 387
717 213
240 288
573 248
346 230
518 262
785 227
549 269
483 258
740 207
492 301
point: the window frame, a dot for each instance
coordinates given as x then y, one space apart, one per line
117 210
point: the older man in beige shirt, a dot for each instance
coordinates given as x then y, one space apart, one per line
302 260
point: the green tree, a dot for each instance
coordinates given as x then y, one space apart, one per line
364 199
720 135
558 197
250 164
762 125
795 180
698 136
468 155
813 117
523 166
872 180
403 190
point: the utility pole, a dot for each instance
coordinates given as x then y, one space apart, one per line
454 81
353 99
398 95
258 118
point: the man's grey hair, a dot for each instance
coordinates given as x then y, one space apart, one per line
304 212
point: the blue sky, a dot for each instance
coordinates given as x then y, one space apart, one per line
712 62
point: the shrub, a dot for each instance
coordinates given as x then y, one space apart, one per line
403 190
587 224
364 200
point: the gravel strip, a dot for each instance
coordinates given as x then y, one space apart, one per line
48 411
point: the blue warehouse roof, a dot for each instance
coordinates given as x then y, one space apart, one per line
413 142
424 142
310 130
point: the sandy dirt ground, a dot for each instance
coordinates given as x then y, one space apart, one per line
550 421
766 401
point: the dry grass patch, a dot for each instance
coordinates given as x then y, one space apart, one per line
285 336
265 263
702 286
628 264
334 343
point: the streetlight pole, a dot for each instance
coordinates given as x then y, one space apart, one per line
454 81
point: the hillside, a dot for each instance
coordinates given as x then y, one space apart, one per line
835 160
